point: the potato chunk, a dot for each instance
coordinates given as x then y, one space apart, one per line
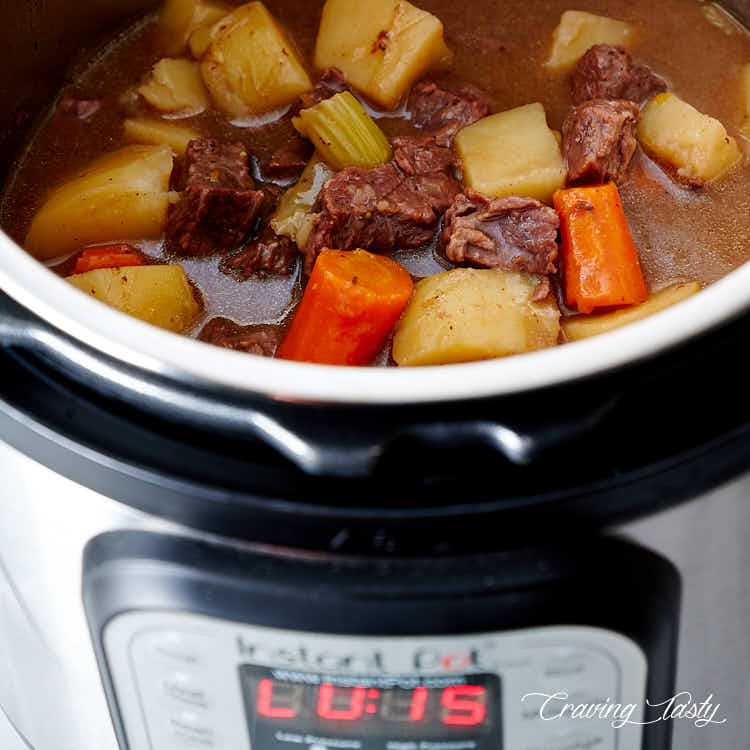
175 86
160 295
469 314
200 40
512 153
175 19
180 19
121 196
579 31
586 326
695 145
382 46
250 66
154 131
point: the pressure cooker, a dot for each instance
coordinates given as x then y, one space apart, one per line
204 549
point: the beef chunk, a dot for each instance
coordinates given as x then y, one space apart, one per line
79 108
398 205
288 161
270 254
216 165
443 113
599 140
219 203
331 83
262 340
511 234
272 195
416 155
267 254
607 72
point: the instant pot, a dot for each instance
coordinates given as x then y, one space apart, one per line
204 549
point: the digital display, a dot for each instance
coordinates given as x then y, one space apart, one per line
286 708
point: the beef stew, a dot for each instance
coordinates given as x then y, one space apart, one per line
413 152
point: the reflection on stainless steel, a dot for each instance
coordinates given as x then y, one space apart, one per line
45 641
707 539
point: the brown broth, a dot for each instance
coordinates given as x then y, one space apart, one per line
681 234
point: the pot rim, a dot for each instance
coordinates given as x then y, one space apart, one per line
202 365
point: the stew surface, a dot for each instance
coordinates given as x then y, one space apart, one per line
685 229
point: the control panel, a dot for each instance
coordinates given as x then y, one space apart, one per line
186 682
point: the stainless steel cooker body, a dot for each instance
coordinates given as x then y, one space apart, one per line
325 421
51 686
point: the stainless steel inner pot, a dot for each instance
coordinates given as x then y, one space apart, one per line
39 39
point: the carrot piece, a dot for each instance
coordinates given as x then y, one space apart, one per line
600 261
107 256
351 303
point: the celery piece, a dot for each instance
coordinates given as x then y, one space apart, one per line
344 134
294 208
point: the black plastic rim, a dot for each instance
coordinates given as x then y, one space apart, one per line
680 427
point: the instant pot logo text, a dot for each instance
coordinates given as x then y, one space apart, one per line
423 660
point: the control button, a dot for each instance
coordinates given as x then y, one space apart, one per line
193 731
179 647
185 688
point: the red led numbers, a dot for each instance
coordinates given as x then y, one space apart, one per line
353 711
418 703
265 703
464 705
